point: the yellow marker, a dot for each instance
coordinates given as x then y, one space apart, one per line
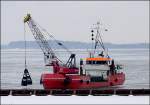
27 18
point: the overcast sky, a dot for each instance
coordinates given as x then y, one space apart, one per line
126 21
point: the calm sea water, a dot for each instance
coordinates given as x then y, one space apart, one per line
135 61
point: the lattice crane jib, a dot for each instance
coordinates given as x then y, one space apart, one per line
49 55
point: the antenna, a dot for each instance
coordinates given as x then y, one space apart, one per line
98 38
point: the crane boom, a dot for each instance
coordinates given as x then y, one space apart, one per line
49 55
41 40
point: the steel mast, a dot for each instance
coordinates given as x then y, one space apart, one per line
98 39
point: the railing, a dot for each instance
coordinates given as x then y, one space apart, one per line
93 92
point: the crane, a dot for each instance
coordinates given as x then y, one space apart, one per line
40 39
49 56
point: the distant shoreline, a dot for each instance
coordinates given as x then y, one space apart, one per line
72 45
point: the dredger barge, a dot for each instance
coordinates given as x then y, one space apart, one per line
96 71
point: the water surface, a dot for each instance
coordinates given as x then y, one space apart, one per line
135 61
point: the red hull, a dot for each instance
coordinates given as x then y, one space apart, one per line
57 81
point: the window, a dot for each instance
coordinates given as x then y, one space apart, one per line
88 62
96 62
101 62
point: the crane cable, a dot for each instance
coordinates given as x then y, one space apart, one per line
26 79
25 47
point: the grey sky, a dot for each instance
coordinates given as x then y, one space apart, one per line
127 21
